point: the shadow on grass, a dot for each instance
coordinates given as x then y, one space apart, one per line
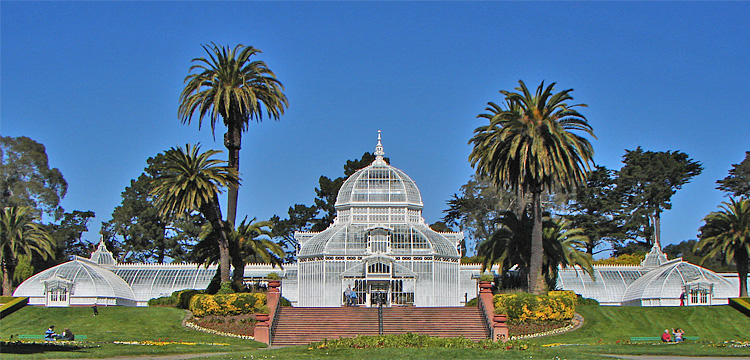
18 347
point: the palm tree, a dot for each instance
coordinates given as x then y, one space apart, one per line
564 246
249 242
510 246
20 235
727 233
191 181
531 146
230 85
252 243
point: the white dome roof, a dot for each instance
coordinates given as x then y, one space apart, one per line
90 281
668 280
379 184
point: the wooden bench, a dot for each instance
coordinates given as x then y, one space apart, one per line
41 337
657 338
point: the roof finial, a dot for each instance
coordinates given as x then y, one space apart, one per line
379 149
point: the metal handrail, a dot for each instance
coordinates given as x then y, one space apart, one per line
275 321
485 319
380 320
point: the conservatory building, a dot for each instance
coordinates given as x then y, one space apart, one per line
657 281
380 246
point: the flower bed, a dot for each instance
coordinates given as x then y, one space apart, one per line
167 342
538 327
242 326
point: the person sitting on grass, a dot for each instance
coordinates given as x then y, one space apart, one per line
50 335
68 335
665 337
678 334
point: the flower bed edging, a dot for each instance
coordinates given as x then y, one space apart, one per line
215 332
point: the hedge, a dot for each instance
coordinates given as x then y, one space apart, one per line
521 307
11 304
228 304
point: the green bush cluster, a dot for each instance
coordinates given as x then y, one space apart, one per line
522 307
228 304
580 300
179 299
410 340
473 302
183 297
163 301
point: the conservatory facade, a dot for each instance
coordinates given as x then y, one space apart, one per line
380 246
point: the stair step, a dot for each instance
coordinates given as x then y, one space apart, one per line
298 326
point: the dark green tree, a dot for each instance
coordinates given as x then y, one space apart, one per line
738 181
686 251
68 235
26 178
531 146
477 209
596 208
727 233
232 86
647 182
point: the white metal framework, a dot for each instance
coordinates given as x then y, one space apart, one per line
379 244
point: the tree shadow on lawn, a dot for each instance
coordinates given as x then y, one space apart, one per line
18 347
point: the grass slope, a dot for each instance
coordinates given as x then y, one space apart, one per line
613 323
603 329
116 323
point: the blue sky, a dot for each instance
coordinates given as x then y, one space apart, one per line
98 83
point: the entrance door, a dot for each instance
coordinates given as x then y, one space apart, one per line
378 293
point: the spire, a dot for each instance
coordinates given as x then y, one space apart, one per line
379 152
379 149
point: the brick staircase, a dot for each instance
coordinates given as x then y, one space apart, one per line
303 325
298 326
435 321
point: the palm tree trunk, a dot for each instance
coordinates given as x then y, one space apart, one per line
520 202
7 286
536 279
741 259
657 229
212 213
233 143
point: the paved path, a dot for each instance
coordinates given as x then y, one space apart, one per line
667 357
159 357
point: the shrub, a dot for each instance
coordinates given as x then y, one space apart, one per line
580 300
182 297
473 302
226 288
273 276
167 301
487 277
227 304
520 307
285 302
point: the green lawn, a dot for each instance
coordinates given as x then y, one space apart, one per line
606 331
116 323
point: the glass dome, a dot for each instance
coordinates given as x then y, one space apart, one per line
664 285
91 281
378 184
